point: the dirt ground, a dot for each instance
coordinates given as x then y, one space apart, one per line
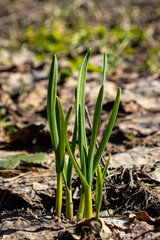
131 193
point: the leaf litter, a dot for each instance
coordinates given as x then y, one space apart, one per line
34 187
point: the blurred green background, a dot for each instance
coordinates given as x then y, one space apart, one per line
128 31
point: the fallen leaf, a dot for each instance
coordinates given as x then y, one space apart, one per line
143 216
12 161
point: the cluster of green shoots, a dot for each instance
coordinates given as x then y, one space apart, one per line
89 156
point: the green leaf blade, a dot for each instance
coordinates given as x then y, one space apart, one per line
99 189
83 180
107 132
82 147
82 81
96 120
51 102
106 167
94 133
104 68
61 128
70 165
65 173
68 116
80 103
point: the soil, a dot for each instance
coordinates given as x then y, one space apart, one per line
131 190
